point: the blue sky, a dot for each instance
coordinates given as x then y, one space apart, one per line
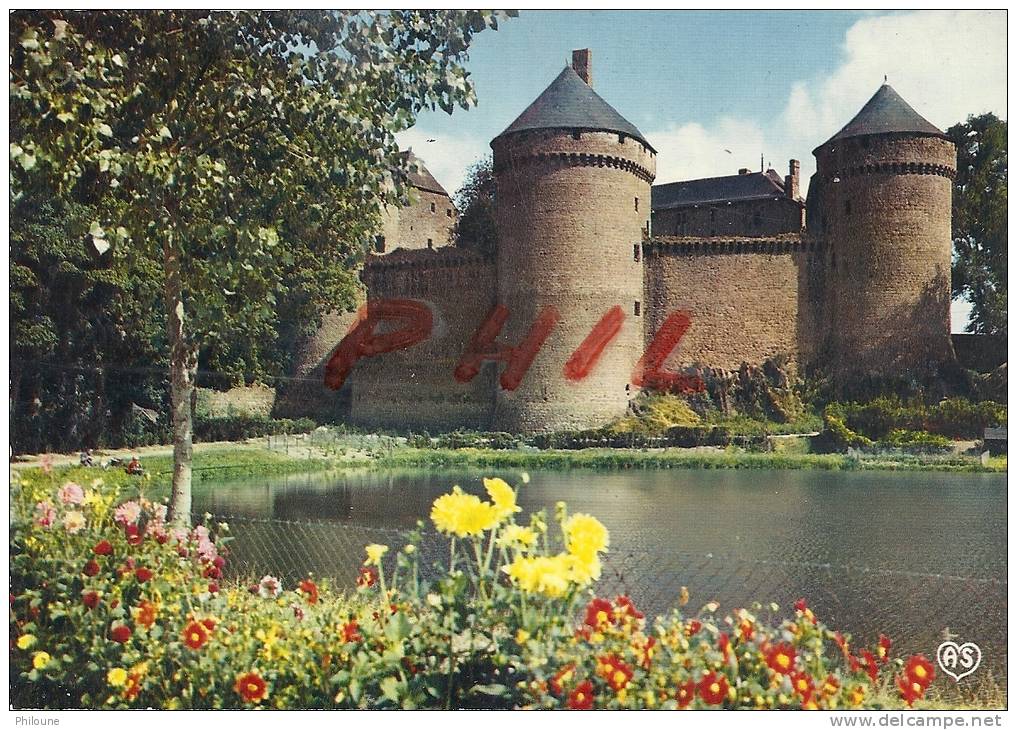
700 83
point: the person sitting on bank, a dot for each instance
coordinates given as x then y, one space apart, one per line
86 457
134 467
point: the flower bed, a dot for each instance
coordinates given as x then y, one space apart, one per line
111 606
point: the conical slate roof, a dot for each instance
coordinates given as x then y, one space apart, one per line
570 103
886 112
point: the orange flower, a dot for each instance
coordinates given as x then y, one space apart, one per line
145 613
781 658
870 666
645 649
830 685
919 670
802 685
686 693
133 686
561 678
195 635
351 632
251 687
713 688
909 690
581 697
884 648
310 590
745 630
614 671
599 613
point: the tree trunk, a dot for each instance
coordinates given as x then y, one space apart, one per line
183 368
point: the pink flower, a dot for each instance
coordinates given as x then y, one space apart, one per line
269 587
72 493
44 514
127 513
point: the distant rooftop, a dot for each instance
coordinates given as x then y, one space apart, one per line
570 103
420 177
748 186
886 112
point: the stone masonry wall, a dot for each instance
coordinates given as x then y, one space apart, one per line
573 208
764 217
431 217
415 387
886 215
742 296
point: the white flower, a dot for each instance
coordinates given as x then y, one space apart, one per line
269 587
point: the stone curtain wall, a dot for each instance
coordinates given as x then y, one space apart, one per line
415 387
570 231
742 296
886 214
765 217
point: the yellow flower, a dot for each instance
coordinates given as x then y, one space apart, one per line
374 553
544 575
26 641
74 521
462 514
585 536
522 636
40 660
512 535
117 677
503 496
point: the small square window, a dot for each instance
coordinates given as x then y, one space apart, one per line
576 134
448 212
379 244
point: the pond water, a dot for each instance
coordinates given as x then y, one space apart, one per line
912 554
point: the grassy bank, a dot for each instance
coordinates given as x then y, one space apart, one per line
674 459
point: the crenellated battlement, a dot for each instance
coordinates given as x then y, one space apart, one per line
707 245
575 159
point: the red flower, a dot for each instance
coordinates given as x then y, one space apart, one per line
561 678
884 648
103 548
194 635
143 574
581 698
599 613
693 627
909 690
830 685
713 688
801 605
645 649
746 630
686 693
351 632
869 663
90 599
120 633
251 687
133 686
208 623
802 685
134 536
368 577
919 670
144 614
781 658
724 644
614 671
212 572
310 590
625 607
213 587
91 568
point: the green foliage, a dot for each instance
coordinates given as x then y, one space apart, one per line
837 432
85 337
952 417
477 228
113 608
239 428
980 220
654 414
917 441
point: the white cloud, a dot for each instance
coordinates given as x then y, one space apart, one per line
945 64
447 157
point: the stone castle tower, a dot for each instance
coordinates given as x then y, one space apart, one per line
882 204
573 180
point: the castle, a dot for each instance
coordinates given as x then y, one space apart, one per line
596 268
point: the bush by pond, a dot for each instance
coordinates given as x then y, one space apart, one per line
111 607
241 427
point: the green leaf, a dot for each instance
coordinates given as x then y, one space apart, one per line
390 688
105 130
164 133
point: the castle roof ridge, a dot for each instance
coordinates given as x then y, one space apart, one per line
886 112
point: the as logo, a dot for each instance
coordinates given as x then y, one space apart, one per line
958 660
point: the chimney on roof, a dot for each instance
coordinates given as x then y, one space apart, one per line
791 181
582 64
743 171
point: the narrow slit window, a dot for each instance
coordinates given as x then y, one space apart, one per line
430 243
432 207
448 212
635 308
637 205
635 252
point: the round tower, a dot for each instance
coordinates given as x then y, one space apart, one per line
573 205
885 187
